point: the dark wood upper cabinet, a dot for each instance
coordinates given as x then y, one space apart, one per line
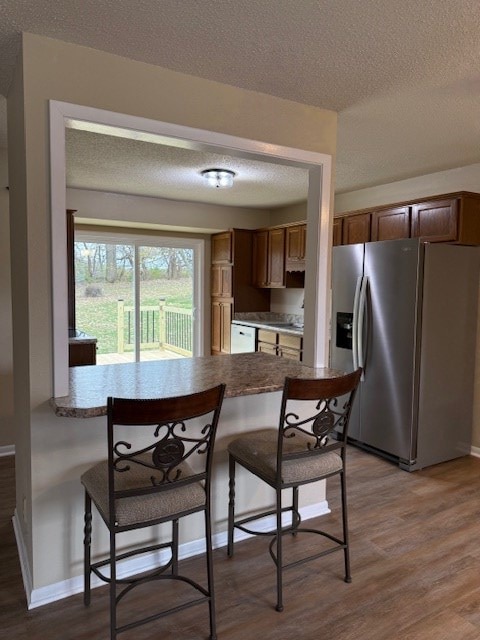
295 244
269 258
276 257
222 248
356 228
337 231
452 217
436 220
391 224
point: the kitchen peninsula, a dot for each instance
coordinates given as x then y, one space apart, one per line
75 438
244 374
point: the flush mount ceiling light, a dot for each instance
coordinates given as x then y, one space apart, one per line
218 178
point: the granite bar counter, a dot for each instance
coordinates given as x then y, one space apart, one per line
243 373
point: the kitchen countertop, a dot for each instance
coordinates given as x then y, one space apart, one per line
280 327
243 373
80 337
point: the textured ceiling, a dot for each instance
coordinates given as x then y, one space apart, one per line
404 75
108 163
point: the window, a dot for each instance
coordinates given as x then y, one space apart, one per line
137 296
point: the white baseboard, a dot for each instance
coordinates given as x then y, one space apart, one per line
23 557
7 450
51 593
475 451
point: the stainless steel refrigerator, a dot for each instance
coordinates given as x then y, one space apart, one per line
406 311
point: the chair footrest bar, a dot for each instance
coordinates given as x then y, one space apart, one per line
158 576
156 616
239 523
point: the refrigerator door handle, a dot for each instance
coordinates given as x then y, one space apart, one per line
362 307
356 303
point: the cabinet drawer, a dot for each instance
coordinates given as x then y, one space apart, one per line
266 347
286 340
290 354
267 336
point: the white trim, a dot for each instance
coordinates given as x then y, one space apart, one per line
7 450
23 558
475 451
318 164
72 586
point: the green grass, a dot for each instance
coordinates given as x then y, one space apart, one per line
98 316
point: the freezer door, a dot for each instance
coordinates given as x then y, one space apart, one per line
347 270
388 407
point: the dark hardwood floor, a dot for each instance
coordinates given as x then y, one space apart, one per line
415 567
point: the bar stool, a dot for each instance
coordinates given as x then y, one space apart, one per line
158 470
302 450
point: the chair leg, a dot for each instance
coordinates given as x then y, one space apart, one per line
279 606
175 547
87 541
211 590
346 551
113 588
294 509
231 505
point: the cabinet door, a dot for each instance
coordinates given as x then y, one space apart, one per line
356 228
436 220
391 224
221 284
260 256
265 347
216 338
221 326
337 231
276 258
290 354
80 354
226 322
295 243
222 248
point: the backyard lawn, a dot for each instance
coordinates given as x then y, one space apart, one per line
96 304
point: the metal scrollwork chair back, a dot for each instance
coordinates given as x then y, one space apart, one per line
158 470
309 445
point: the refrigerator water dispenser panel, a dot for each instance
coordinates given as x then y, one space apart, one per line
344 330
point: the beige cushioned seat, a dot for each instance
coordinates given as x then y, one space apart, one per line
259 450
149 507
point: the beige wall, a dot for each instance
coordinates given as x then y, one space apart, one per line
7 427
60 71
461 179
166 214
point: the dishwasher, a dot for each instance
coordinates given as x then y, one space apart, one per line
244 339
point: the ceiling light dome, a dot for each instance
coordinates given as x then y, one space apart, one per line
218 178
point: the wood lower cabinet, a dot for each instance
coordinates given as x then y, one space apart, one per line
82 353
356 228
280 344
391 224
221 326
269 258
